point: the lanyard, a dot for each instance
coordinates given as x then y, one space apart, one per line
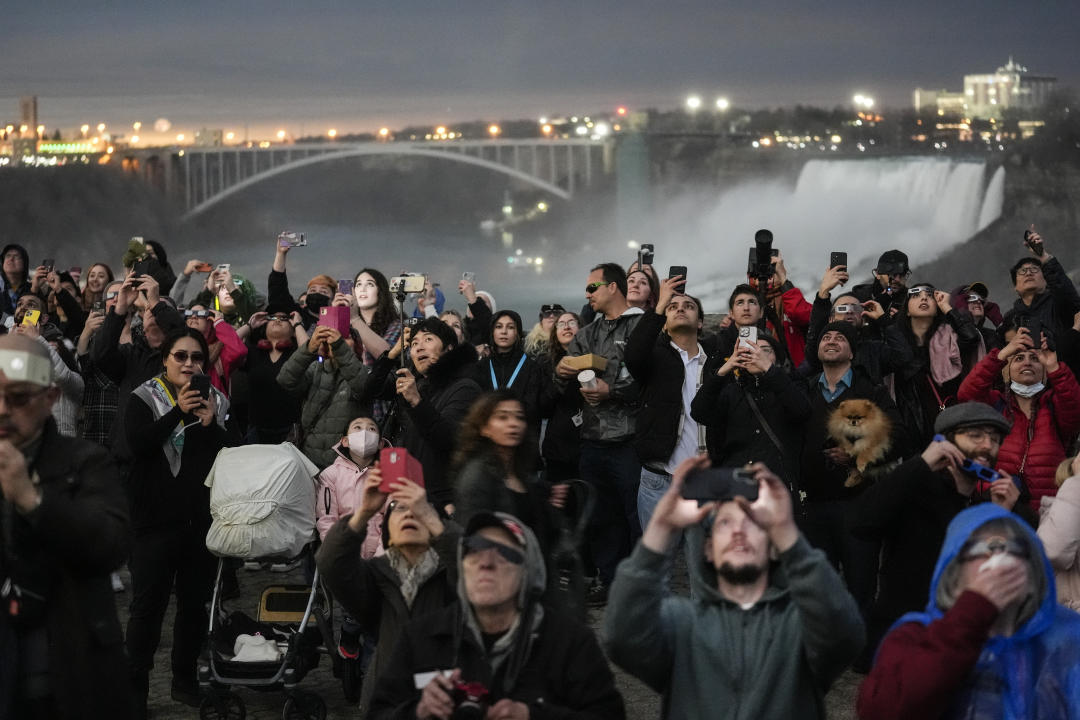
495 383
168 394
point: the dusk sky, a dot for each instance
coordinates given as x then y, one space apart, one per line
307 66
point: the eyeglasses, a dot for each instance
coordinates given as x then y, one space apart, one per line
593 287
973 298
20 398
978 436
1029 270
182 356
993 546
478 543
548 310
921 290
279 318
201 314
566 324
846 308
111 296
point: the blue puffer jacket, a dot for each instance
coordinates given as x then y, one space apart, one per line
1033 674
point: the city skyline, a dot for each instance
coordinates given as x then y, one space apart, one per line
360 66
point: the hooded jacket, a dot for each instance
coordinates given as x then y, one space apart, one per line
8 293
331 392
340 491
513 370
546 661
429 431
710 658
945 664
613 419
1034 446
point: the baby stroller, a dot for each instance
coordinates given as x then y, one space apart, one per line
262 501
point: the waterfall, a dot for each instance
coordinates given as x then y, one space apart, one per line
922 206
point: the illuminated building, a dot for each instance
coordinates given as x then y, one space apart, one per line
1012 86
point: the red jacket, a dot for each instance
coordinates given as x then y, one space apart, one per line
795 318
1033 450
919 668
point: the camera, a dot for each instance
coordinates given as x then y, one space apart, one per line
412 322
722 483
645 256
763 254
407 283
471 700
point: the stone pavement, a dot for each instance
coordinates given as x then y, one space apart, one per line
641 702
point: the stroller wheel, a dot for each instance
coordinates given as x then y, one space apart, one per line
352 677
222 706
302 705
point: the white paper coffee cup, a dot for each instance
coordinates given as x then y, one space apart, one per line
587 378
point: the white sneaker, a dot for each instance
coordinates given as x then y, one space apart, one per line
251 565
117 583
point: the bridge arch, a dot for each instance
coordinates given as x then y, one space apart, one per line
377 149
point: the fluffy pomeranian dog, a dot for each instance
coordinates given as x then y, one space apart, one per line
862 430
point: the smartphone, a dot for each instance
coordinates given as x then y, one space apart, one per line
223 267
142 267
31 317
49 264
291 239
204 267
1035 245
396 462
138 239
469 277
407 283
345 287
675 271
748 335
722 483
837 259
1034 328
413 322
99 307
201 383
335 316
646 255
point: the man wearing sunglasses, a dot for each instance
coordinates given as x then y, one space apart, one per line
909 509
63 527
609 460
993 642
500 643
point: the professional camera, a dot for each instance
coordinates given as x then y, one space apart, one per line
407 283
471 700
762 254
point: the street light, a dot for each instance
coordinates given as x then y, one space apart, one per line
280 134
722 104
84 129
384 132
136 126
101 127
693 102
230 136
331 133
494 130
863 101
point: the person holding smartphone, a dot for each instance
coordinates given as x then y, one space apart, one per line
1045 292
174 432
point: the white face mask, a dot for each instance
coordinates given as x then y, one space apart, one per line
1027 391
363 443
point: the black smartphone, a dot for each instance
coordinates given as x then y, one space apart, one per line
645 255
1035 245
201 383
49 264
675 271
837 259
142 267
721 483
1034 328
99 307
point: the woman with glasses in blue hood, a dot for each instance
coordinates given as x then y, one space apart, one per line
993 641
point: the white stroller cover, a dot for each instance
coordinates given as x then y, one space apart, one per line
262 501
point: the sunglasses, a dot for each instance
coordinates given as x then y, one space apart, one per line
478 543
20 398
973 298
993 546
547 310
201 314
922 289
846 308
593 287
279 318
182 356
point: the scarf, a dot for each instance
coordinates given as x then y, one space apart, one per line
159 397
945 362
412 576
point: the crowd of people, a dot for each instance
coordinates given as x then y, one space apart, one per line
880 477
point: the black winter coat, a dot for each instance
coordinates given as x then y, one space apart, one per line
733 433
561 449
881 349
565 675
659 370
370 590
429 431
129 365
70 543
1055 309
526 385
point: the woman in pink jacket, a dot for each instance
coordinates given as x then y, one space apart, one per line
342 484
1059 530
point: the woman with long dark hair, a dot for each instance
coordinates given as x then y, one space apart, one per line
946 345
510 368
374 315
174 434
